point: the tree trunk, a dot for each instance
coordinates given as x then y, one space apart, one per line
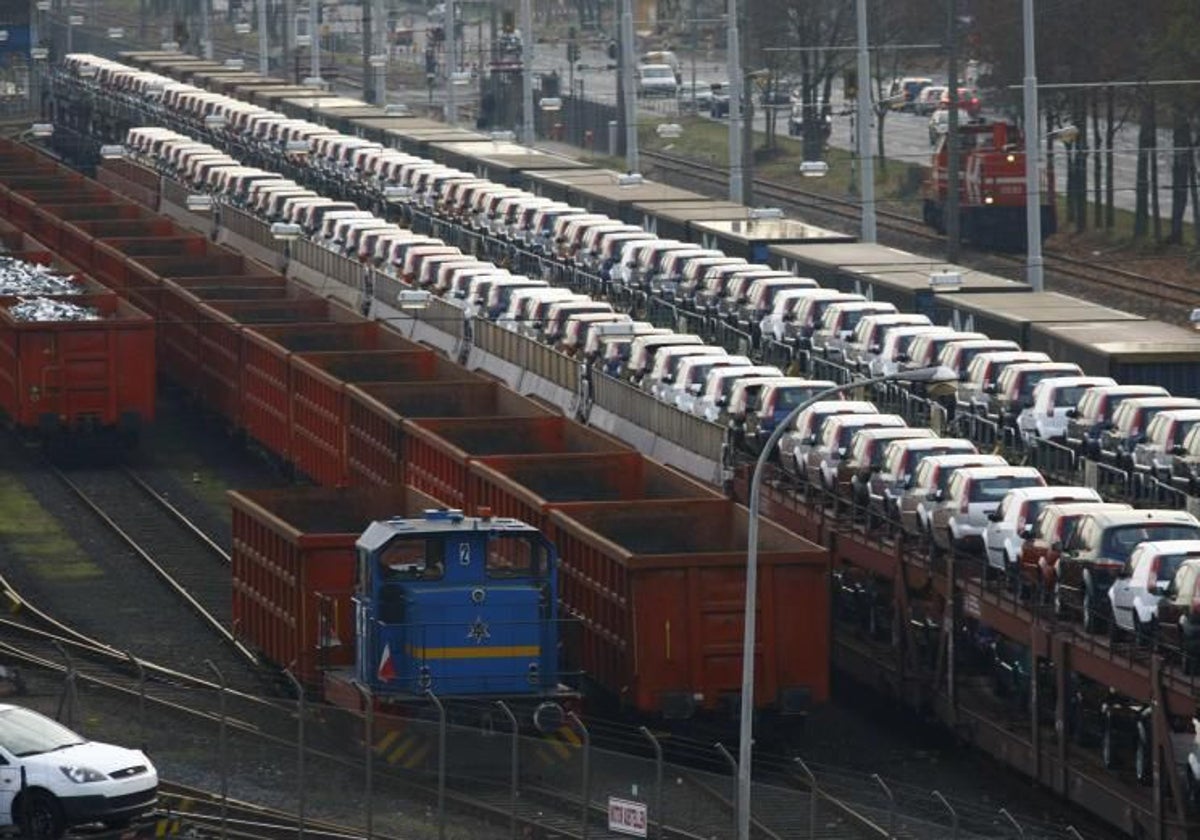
1110 117
1181 164
1097 167
1195 188
1155 214
880 161
1079 160
1141 205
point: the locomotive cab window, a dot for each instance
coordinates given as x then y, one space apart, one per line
412 559
513 558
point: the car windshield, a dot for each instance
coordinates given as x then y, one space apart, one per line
24 732
1119 542
657 73
994 489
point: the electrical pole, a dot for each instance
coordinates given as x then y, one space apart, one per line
264 68
1033 194
866 152
952 138
451 62
206 29
370 80
734 63
289 37
314 28
631 139
527 73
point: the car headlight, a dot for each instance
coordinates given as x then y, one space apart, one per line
82 775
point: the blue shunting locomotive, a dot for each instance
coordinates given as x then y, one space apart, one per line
458 606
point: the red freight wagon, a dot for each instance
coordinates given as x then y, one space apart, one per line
145 275
135 182
71 239
88 375
78 238
659 588
525 487
111 257
24 207
378 416
218 339
319 400
293 569
267 371
181 315
447 446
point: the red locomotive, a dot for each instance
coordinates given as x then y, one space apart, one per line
991 187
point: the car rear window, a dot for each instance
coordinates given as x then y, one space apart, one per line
995 489
1120 541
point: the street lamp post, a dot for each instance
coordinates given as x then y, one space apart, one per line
751 600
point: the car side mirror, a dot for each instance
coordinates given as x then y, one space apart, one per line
873 348
694 388
1162 587
903 357
1027 532
994 516
876 469
1178 449
811 440
1056 546
1073 413
841 451
988 388
937 495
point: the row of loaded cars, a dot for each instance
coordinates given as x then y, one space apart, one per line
996 378
1106 564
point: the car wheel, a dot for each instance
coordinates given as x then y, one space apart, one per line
41 816
1143 764
1193 790
1059 612
1108 751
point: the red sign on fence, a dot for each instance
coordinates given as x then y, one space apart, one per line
625 817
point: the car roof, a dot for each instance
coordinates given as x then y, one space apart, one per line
1053 491
913 432
1107 519
930 443
1170 547
998 471
958 460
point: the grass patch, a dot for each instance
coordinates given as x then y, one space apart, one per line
37 539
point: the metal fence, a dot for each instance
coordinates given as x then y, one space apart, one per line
454 767
694 434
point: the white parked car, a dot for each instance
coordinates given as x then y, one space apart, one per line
52 778
971 495
1052 399
1012 523
656 80
1135 594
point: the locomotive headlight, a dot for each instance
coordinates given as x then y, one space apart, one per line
989 200
1011 158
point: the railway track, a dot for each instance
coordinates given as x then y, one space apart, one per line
913 231
192 567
